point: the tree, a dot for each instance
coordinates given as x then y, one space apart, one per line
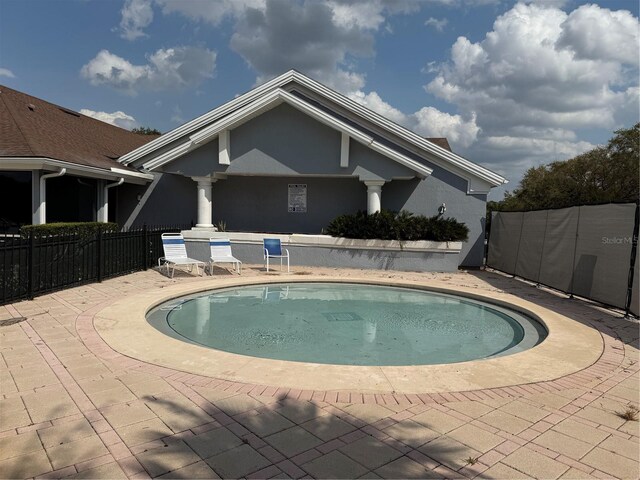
146 131
604 174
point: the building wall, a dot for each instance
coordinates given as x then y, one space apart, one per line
172 201
259 204
424 197
285 146
285 141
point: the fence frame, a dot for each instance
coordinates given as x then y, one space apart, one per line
570 292
51 263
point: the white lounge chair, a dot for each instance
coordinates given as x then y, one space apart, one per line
221 253
272 248
175 253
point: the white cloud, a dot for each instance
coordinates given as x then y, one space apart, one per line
136 16
170 68
431 122
596 33
176 115
304 37
373 101
428 121
320 39
368 14
5 72
539 76
437 24
119 118
210 11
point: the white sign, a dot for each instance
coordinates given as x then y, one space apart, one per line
297 198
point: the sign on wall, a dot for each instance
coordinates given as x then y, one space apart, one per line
297 198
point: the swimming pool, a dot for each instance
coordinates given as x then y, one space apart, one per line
347 324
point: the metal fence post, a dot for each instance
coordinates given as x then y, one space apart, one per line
145 237
31 269
575 249
99 256
632 261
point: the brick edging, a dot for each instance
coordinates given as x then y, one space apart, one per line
603 368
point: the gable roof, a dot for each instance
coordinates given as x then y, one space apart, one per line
31 127
432 152
271 100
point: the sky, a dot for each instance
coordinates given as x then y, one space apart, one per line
512 85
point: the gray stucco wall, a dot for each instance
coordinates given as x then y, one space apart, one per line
425 196
259 204
173 201
285 141
317 256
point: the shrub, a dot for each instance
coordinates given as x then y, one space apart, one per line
386 225
82 229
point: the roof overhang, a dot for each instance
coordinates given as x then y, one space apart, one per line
268 102
44 163
474 173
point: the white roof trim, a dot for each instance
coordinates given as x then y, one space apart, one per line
272 100
448 157
169 155
41 163
203 120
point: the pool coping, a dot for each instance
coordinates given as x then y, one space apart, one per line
118 328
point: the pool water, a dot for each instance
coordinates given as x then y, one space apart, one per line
347 324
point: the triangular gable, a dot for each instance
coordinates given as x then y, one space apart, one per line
430 151
268 102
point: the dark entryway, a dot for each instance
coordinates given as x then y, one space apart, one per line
71 199
15 200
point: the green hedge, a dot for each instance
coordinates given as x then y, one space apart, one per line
83 229
386 225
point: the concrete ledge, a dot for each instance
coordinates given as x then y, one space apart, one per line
569 347
327 251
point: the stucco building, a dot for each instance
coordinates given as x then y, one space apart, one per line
289 156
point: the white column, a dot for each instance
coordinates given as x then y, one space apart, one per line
374 195
35 197
205 200
224 145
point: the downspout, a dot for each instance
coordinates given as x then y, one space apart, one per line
105 196
42 212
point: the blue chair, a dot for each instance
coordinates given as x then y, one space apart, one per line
272 248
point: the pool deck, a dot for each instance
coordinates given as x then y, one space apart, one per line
72 405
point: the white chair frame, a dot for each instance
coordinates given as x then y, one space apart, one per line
175 253
220 251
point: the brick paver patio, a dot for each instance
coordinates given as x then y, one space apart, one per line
71 407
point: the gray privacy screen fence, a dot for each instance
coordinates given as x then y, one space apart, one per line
588 251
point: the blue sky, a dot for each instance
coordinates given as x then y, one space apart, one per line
512 85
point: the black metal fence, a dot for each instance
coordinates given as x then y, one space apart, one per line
34 266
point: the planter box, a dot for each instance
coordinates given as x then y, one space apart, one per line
327 251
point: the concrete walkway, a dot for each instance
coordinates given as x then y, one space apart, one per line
71 407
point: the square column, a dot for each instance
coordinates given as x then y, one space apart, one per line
374 195
205 201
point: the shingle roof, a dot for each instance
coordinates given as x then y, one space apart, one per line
31 127
441 142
